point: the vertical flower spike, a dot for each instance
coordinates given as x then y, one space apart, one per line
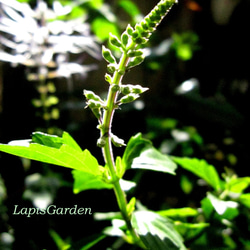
144 29
132 55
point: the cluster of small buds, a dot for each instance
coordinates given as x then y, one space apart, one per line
95 103
130 46
132 38
131 93
143 30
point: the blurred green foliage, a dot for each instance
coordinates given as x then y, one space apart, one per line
220 220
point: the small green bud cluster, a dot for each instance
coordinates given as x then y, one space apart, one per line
132 38
130 92
144 29
135 89
132 55
95 103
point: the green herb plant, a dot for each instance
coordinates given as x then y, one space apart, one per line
88 174
134 223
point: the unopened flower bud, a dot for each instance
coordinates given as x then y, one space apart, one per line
90 95
111 68
107 55
101 142
108 78
135 53
129 98
125 39
115 87
114 41
136 61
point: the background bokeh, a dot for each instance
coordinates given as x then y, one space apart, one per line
197 70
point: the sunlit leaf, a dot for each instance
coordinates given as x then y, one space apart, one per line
115 229
238 185
85 181
207 207
226 209
140 154
245 199
52 141
134 147
54 150
68 139
202 169
156 232
152 159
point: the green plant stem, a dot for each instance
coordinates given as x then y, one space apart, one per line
107 149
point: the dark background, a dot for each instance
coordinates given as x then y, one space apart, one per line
217 109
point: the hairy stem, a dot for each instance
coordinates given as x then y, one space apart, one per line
107 149
138 36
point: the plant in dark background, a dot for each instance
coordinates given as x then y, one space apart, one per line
196 107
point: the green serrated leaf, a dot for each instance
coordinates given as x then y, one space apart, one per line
134 147
156 232
140 154
85 181
49 151
202 169
68 140
47 140
152 159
